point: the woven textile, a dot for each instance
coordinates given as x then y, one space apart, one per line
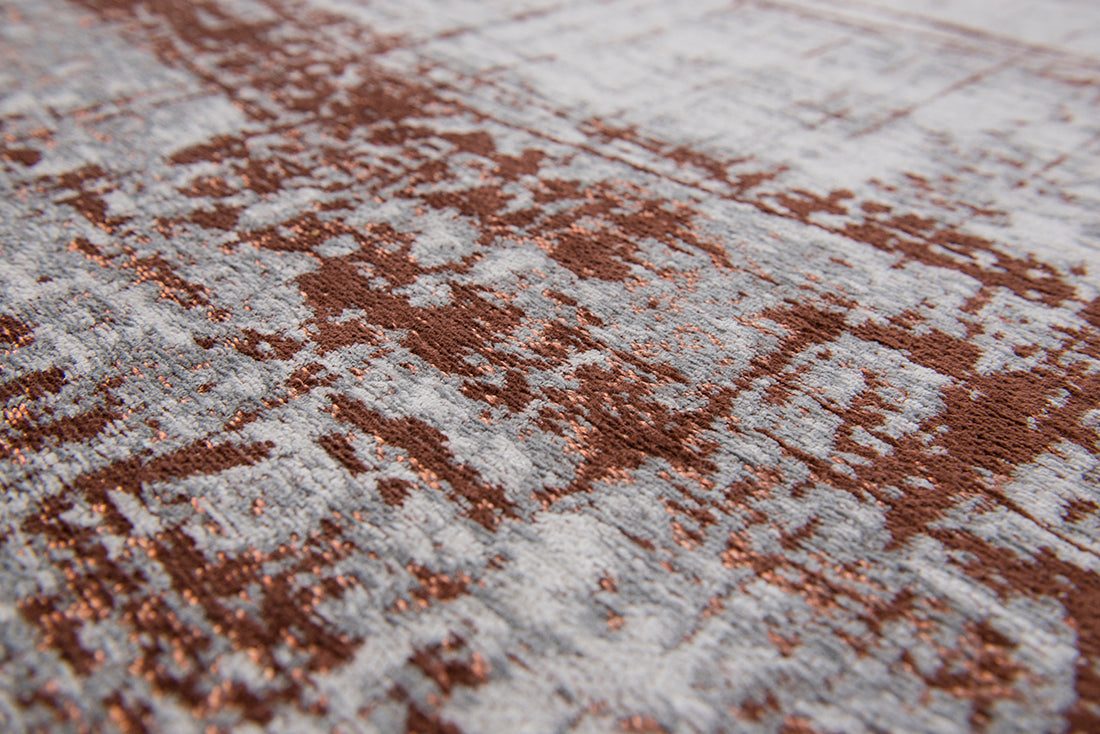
549 366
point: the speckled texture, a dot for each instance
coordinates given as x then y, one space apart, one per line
549 366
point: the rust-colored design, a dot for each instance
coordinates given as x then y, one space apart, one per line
350 384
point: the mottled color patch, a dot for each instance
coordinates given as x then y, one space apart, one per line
548 366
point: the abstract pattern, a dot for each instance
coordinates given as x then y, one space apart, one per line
549 366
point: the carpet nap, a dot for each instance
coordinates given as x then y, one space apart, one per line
549 366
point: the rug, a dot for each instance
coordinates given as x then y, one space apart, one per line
549 366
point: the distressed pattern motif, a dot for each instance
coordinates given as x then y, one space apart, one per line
549 366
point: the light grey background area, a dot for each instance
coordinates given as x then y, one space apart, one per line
613 608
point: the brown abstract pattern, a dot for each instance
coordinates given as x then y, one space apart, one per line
547 366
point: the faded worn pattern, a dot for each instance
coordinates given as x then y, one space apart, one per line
549 366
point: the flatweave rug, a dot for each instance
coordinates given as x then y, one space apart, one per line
549 366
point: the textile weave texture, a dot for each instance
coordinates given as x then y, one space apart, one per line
549 366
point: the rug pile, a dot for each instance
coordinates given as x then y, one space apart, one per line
549 366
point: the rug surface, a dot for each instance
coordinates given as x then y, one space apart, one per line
547 366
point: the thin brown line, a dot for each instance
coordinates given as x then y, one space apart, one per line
932 27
